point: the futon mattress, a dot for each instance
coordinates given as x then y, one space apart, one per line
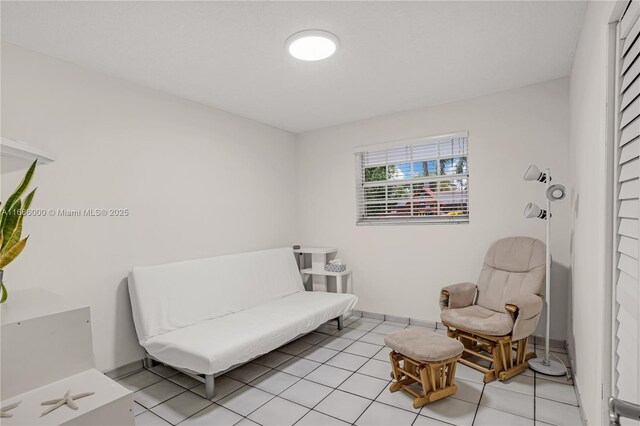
215 345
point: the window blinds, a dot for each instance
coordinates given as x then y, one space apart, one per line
422 180
627 295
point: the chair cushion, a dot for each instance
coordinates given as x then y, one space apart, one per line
513 266
479 320
423 345
516 254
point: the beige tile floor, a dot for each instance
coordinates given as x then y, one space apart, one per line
333 377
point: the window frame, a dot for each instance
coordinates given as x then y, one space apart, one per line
359 154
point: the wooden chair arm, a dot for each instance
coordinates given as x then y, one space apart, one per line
511 308
514 309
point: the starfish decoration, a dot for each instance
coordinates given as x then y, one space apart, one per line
3 410
68 399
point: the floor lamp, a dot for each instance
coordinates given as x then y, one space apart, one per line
554 192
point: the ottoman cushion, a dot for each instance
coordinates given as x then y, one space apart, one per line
423 345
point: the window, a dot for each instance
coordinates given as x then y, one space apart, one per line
423 180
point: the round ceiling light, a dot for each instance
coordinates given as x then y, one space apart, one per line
312 45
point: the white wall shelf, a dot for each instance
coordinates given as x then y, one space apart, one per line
321 280
311 271
10 148
315 250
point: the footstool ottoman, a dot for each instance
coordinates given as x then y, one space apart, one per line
427 358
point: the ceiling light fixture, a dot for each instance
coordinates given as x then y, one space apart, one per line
312 45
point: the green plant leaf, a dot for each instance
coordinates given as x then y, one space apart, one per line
12 253
28 199
17 193
14 238
4 292
12 217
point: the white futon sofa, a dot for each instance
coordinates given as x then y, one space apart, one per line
205 316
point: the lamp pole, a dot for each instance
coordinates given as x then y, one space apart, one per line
545 365
548 273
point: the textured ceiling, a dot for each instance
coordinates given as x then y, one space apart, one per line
393 56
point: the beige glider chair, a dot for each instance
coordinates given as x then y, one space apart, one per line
495 318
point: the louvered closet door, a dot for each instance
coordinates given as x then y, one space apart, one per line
627 294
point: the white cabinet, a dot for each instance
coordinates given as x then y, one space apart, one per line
311 261
47 350
45 338
111 403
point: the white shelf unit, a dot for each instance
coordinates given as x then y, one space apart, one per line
315 250
311 271
16 149
111 403
37 323
46 349
321 280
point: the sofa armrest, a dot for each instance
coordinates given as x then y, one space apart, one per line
525 310
457 296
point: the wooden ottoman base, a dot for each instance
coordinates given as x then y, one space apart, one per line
436 378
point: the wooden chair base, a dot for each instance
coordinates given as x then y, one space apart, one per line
507 357
436 378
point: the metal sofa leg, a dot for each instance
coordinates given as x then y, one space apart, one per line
210 385
340 324
147 362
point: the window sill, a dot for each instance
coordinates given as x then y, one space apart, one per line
457 220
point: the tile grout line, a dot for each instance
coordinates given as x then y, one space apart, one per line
272 369
475 414
211 402
273 396
163 379
194 393
477 404
299 378
244 384
297 356
374 400
484 385
351 375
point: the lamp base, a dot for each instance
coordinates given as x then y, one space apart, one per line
550 367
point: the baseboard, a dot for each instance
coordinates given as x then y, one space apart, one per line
538 340
395 318
576 384
423 323
373 315
118 372
553 343
398 319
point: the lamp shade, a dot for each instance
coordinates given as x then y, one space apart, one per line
534 173
556 192
533 210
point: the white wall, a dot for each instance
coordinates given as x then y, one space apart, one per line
400 269
198 182
588 97
201 182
